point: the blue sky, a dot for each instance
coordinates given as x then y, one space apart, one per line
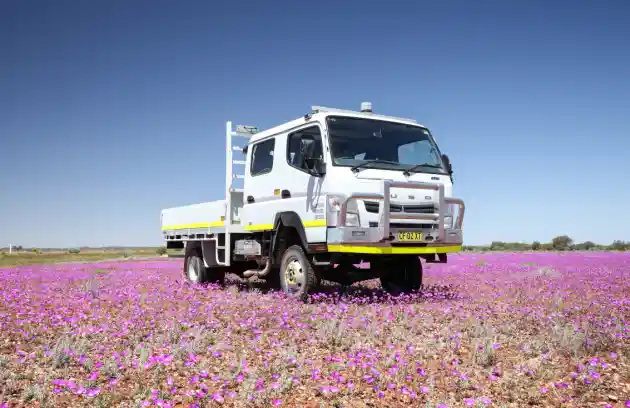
113 110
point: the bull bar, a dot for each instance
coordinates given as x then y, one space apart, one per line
382 233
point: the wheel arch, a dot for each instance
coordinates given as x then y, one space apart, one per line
288 220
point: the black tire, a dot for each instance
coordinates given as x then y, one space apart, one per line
272 281
297 276
196 272
405 276
216 274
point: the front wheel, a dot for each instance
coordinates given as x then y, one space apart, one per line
405 276
297 276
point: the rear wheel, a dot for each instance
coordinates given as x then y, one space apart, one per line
297 276
196 272
405 276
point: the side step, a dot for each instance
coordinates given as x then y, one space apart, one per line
217 248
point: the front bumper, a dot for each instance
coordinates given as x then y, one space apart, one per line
433 236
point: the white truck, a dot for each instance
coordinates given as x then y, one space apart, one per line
321 194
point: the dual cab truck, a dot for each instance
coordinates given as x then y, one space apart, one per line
322 193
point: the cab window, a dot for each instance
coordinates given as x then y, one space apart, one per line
294 142
262 157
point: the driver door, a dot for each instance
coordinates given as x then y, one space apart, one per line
307 197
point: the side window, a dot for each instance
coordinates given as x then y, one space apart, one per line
294 141
262 157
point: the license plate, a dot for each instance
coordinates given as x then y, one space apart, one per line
410 236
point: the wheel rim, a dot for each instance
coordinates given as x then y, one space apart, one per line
193 274
294 276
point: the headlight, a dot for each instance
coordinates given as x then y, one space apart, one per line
352 219
448 221
352 213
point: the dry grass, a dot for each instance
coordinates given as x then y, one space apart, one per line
25 258
505 330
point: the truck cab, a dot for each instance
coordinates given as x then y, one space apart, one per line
323 193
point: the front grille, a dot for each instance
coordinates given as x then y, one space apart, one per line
411 226
373 207
374 224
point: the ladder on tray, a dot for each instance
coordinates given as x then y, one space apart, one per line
234 198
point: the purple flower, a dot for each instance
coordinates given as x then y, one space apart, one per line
217 397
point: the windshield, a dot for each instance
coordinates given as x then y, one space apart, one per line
378 144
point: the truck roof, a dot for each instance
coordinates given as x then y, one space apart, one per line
320 112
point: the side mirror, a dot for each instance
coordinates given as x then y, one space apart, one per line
307 148
312 163
447 163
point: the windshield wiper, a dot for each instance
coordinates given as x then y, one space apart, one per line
358 166
408 171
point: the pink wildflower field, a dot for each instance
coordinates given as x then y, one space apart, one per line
488 330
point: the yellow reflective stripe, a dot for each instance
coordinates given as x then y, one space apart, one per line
195 225
314 223
361 249
253 227
258 227
268 227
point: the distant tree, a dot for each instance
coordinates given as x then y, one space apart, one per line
561 243
74 251
585 246
161 251
619 245
547 246
37 250
536 246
